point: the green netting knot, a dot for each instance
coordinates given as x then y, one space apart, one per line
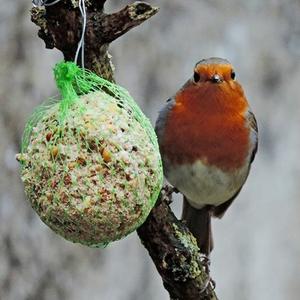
65 74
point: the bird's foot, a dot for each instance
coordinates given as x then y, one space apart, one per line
209 282
168 191
205 260
175 190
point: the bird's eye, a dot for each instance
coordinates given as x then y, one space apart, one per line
232 75
196 77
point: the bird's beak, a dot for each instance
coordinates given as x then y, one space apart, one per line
216 78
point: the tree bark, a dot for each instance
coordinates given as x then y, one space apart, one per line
171 246
175 253
61 27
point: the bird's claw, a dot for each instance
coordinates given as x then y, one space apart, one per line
208 286
175 190
205 285
205 260
168 191
167 194
209 282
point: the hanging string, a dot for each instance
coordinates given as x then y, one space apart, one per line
82 8
44 2
81 42
47 3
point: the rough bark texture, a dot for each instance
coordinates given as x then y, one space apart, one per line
61 25
175 253
170 244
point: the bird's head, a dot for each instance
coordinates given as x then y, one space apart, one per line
213 71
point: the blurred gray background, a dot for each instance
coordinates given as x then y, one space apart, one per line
257 243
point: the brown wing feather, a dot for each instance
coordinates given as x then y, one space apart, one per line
253 126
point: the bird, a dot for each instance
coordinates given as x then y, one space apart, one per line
208 138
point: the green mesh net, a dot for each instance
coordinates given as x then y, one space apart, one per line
90 161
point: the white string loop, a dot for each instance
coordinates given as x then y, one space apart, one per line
81 41
82 9
44 2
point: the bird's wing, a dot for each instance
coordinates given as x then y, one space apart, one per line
162 118
220 210
253 132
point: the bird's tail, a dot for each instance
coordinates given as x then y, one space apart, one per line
199 223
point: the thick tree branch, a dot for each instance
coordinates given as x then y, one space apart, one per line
170 244
114 25
175 253
61 26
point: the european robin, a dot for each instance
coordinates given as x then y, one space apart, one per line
208 139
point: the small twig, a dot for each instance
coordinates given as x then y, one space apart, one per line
112 26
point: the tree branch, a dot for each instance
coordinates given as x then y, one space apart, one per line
175 253
61 25
172 247
114 25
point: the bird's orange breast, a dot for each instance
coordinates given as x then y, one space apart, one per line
208 123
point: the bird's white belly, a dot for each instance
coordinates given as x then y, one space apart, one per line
204 185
